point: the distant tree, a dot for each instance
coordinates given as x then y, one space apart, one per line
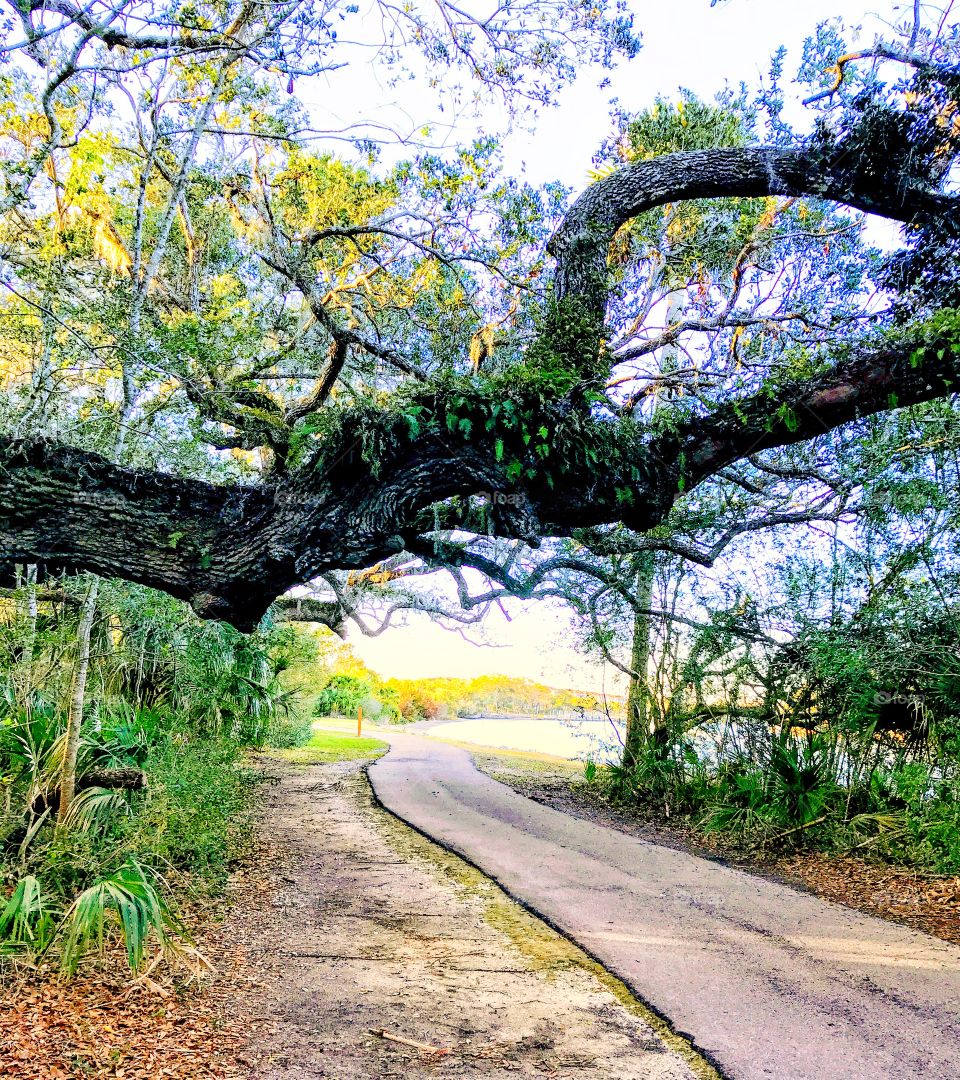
343 695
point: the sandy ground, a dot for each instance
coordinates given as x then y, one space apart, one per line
358 926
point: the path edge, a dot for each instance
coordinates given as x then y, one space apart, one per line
700 1060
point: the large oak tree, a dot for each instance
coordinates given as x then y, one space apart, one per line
237 363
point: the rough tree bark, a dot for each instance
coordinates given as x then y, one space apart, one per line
581 243
230 551
306 609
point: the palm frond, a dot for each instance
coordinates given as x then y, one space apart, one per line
890 824
95 808
128 901
27 919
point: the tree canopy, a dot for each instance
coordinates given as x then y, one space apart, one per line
242 354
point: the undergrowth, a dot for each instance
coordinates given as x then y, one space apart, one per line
905 812
165 783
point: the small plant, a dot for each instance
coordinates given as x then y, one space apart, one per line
194 814
801 787
26 923
740 805
288 732
96 809
128 901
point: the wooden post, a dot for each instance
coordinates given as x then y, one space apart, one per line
359 720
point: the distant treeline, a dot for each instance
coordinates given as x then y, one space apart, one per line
350 685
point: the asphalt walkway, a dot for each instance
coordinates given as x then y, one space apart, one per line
766 981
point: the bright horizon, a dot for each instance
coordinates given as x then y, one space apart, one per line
530 646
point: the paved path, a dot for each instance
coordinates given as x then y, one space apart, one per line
766 981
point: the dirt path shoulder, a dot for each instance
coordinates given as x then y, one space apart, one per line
355 926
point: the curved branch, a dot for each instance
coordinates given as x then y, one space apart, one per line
948 74
581 243
230 551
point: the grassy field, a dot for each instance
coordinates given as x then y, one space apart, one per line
331 742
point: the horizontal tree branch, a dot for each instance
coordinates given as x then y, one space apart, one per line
231 550
367 490
308 609
869 382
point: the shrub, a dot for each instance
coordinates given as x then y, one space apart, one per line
195 813
343 694
128 902
288 732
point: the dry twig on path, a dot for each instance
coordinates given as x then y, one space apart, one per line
426 1048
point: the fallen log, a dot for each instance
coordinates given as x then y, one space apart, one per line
129 779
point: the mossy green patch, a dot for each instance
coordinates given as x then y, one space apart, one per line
529 763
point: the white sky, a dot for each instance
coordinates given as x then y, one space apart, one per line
534 644
686 43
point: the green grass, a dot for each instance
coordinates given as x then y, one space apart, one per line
523 762
327 746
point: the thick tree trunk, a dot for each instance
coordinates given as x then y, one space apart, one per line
230 551
68 775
